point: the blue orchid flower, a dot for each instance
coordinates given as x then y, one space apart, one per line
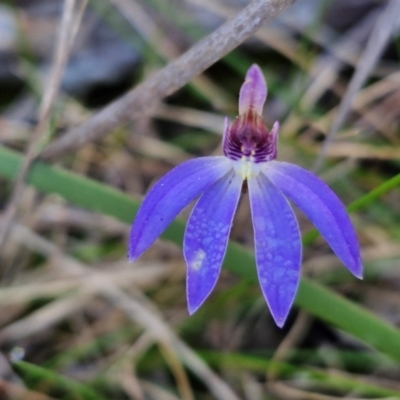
249 156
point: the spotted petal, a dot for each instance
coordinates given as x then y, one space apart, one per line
278 246
207 235
253 92
322 206
169 196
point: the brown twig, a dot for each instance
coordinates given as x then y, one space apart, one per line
174 76
296 334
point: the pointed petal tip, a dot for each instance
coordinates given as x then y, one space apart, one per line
190 311
323 208
133 253
356 268
132 257
207 235
170 195
192 308
359 272
280 315
194 301
278 246
279 321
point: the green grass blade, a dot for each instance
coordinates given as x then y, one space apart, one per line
312 297
38 377
287 370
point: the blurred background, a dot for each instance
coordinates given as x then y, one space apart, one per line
77 321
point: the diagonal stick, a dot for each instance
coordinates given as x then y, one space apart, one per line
171 78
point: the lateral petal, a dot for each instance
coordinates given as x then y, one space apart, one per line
206 237
169 196
278 246
253 92
321 205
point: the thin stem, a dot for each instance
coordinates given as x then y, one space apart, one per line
60 60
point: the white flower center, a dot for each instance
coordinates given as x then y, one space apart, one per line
246 167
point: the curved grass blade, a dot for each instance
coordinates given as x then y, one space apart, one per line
312 297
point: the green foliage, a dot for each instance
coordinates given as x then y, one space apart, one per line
312 297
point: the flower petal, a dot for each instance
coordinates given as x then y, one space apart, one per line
323 207
253 92
207 235
278 246
169 196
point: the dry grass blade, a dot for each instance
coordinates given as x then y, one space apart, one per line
190 117
290 393
178 371
296 334
276 38
142 277
62 48
147 27
156 392
362 100
363 151
376 44
44 318
161 332
325 70
162 150
165 46
94 283
175 75
71 273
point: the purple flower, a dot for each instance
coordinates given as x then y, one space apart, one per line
250 152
